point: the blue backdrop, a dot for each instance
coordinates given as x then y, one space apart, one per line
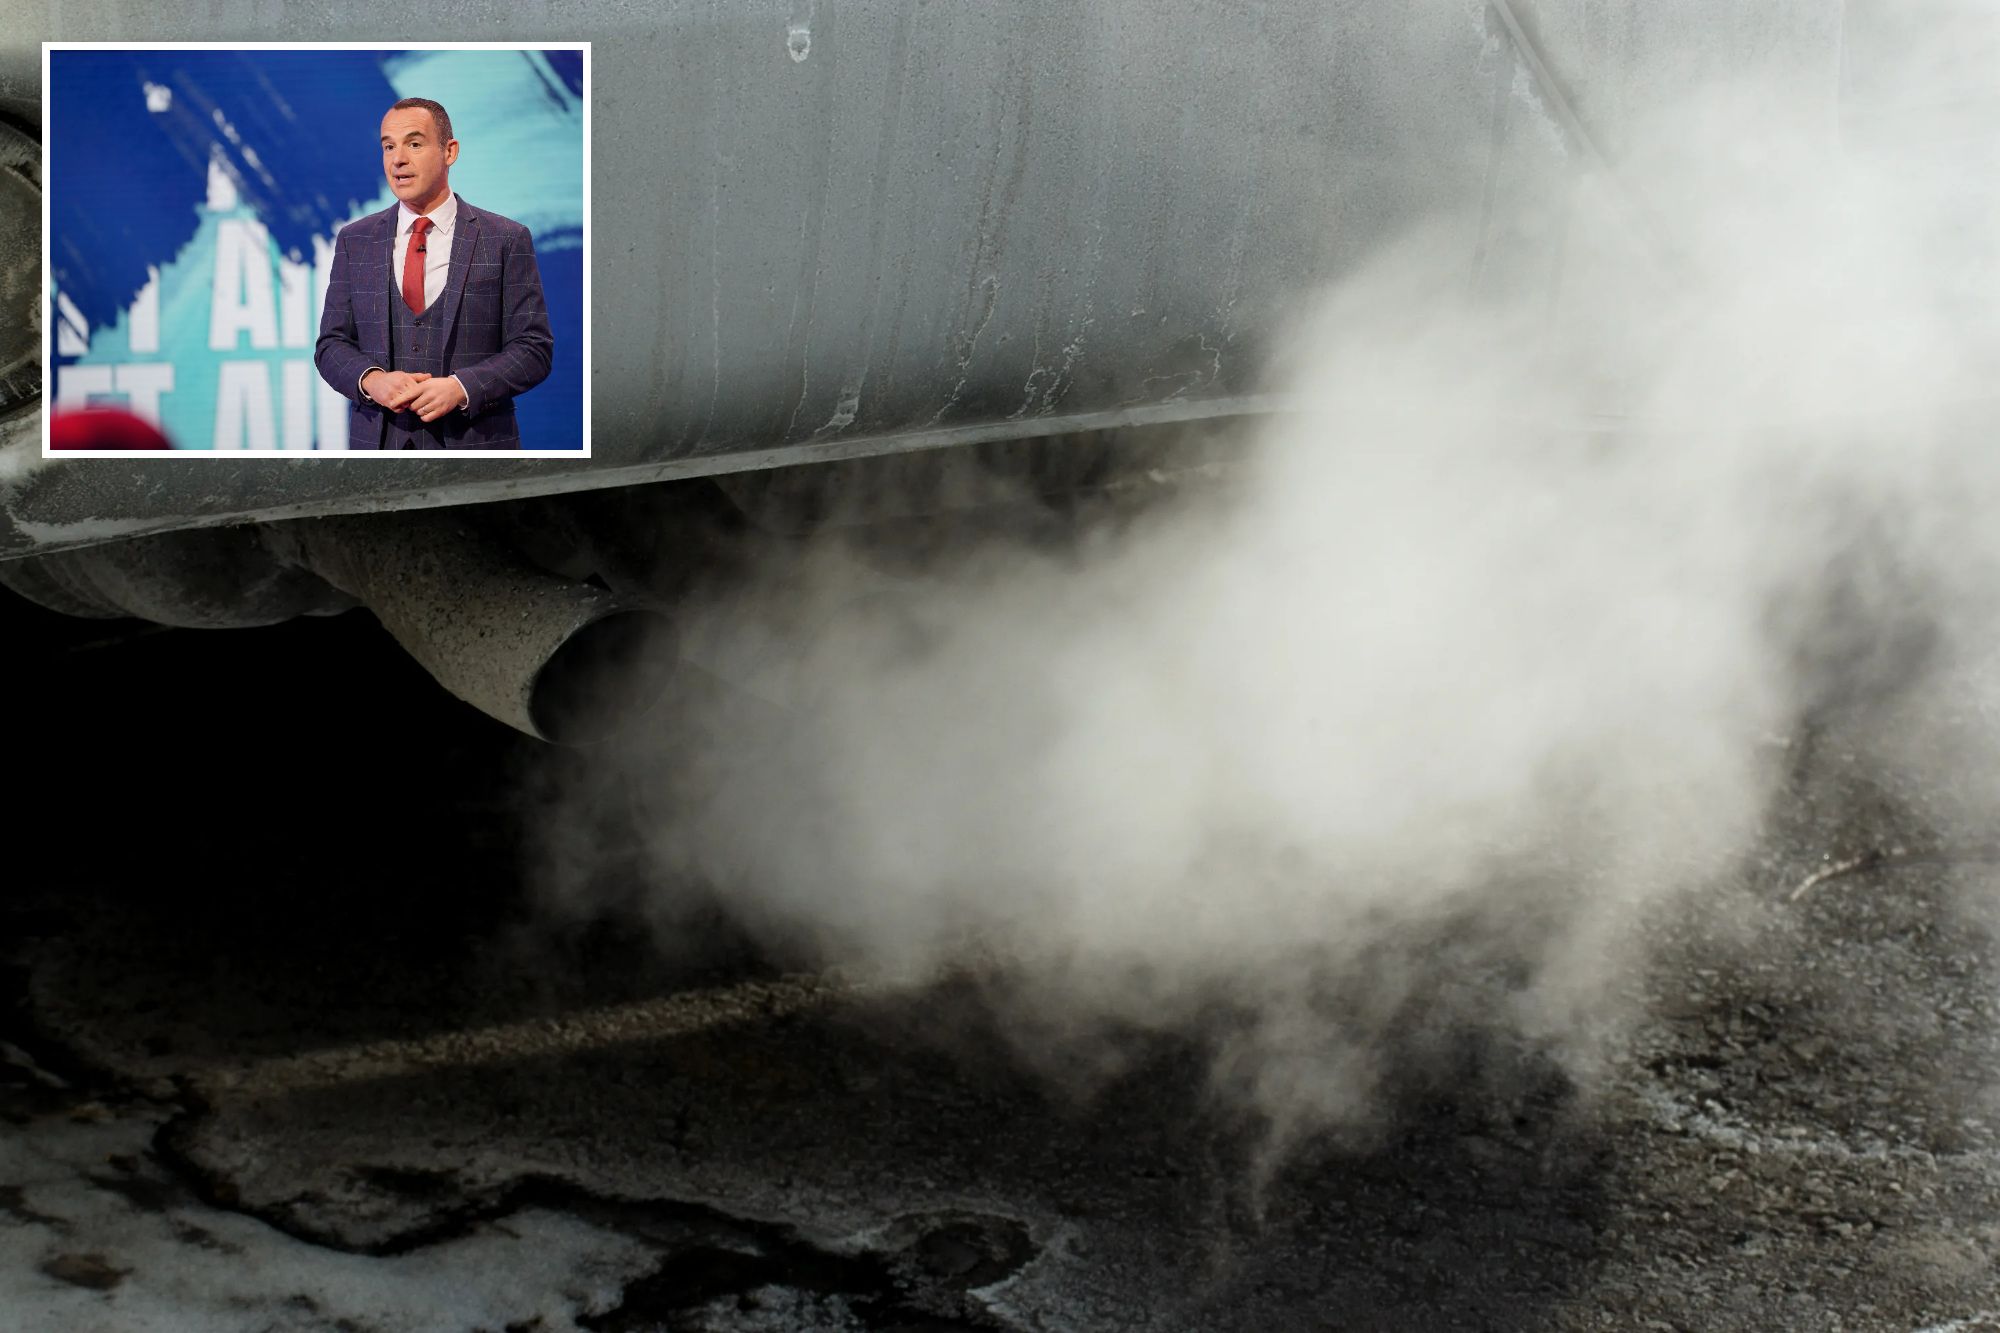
193 200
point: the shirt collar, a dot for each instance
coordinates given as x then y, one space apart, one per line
441 217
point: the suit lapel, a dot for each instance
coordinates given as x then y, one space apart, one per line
465 237
385 236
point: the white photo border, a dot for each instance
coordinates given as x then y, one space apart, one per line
48 277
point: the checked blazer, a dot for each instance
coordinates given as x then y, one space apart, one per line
494 331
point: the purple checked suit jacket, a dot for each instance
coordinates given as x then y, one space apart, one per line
496 327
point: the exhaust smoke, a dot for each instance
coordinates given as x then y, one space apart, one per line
1492 662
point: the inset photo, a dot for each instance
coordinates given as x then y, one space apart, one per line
316 249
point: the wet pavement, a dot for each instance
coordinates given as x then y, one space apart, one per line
286 1043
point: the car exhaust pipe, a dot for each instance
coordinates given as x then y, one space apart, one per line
560 660
203 578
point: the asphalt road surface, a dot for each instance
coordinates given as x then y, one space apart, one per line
285 1044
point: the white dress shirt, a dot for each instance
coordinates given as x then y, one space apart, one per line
437 264
437 246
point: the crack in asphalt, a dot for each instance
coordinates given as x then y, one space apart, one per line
707 1254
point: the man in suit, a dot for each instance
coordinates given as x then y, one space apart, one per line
434 317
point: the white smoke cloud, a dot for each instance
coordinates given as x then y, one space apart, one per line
1487 662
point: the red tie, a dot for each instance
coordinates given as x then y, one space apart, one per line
413 267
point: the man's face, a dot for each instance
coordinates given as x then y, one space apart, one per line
414 159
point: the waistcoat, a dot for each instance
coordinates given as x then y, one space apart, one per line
416 344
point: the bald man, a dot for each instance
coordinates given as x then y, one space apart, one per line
434 320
